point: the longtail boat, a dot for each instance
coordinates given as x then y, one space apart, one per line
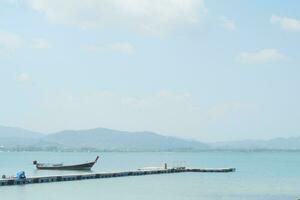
61 166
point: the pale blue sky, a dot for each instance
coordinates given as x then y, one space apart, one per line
211 70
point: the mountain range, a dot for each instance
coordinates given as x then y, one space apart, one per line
102 139
93 139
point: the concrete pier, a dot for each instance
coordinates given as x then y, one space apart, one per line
75 177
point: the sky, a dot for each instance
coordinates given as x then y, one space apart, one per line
210 70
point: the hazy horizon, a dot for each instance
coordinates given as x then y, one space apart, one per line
158 133
195 69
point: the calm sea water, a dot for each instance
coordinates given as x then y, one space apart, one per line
259 175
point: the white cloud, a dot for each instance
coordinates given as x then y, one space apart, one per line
118 47
286 23
123 47
40 43
227 23
10 41
11 1
155 16
23 77
261 56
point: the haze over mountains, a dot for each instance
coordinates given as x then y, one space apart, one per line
94 139
101 139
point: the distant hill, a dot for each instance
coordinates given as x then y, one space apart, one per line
6 131
101 139
11 136
95 139
107 139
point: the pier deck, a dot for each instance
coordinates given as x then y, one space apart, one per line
75 177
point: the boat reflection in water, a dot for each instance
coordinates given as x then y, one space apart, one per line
60 166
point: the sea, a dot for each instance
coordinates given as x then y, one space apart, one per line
261 175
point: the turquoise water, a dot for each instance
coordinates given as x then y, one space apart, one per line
259 175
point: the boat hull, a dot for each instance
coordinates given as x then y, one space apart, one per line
84 166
